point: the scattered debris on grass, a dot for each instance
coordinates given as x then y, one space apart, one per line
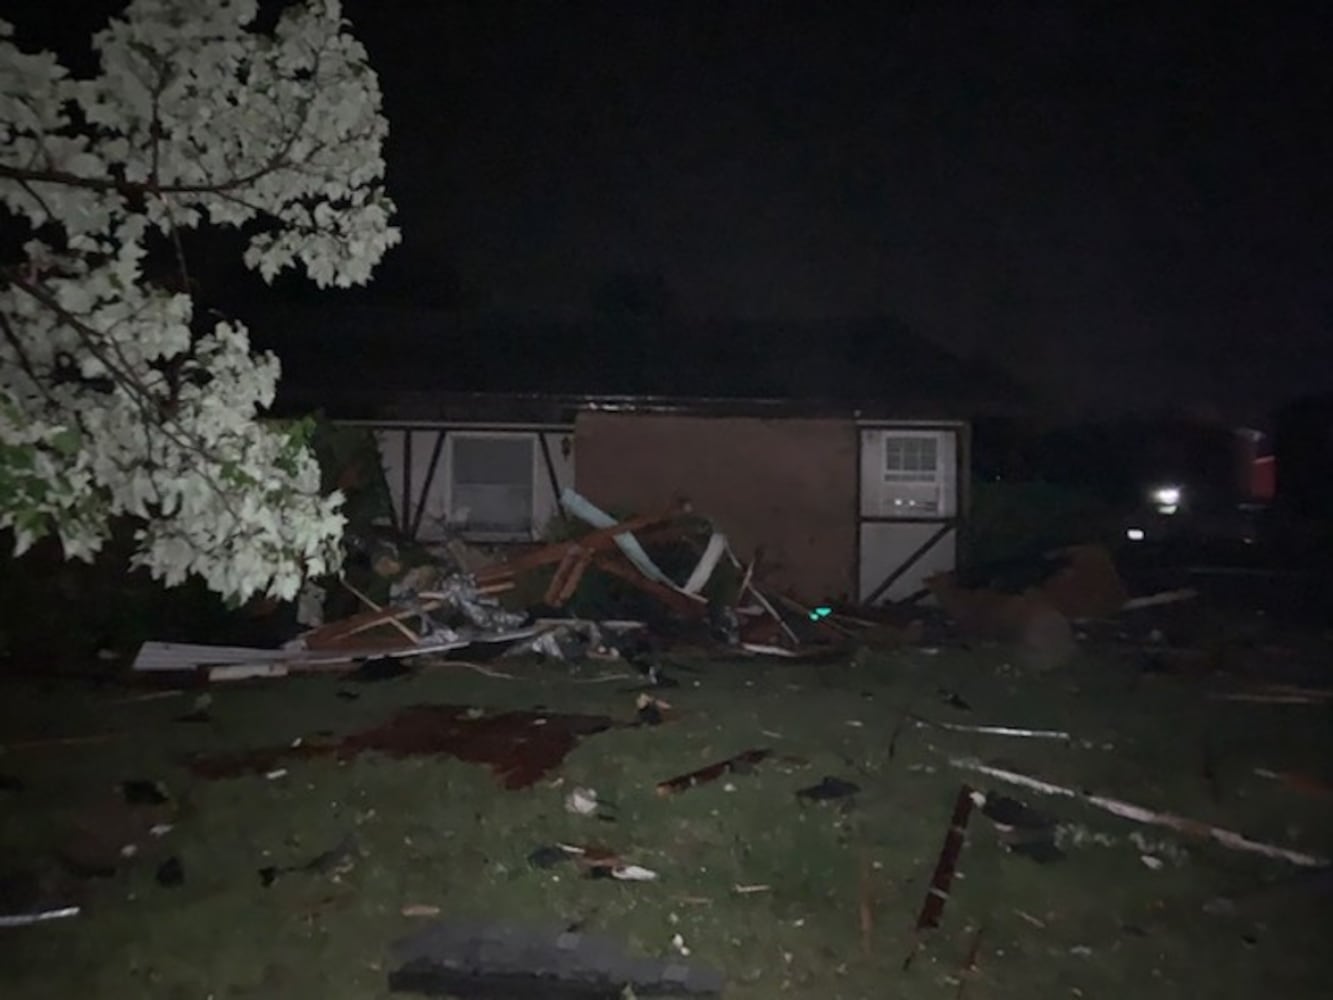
336 861
742 763
170 873
582 801
1138 814
520 746
38 916
650 711
1023 830
954 700
420 910
828 788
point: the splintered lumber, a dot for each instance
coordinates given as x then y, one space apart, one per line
938 894
741 762
407 633
618 566
1138 814
337 635
567 575
598 540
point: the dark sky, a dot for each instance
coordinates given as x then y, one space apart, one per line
1132 206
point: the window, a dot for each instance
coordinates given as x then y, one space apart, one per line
913 480
490 487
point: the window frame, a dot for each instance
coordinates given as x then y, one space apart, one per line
452 506
900 482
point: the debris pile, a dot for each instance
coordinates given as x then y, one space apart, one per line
518 605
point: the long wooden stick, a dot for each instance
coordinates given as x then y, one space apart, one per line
1138 814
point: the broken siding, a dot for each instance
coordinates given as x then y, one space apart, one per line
785 485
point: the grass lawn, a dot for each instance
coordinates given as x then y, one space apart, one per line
442 832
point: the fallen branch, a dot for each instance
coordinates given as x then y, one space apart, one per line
1138 814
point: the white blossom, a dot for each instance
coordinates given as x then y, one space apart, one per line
114 398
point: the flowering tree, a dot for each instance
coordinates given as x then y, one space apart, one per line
115 397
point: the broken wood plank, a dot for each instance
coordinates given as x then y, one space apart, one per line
598 540
407 633
740 762
932 908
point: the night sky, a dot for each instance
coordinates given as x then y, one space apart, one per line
1131 208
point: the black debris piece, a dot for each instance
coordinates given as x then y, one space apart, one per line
648 714
337 859
197 716
1023 830
1005 811
954 700
9 783
382 668
547 856
171 873
348 695
486 960
829 788
1040 848
144 793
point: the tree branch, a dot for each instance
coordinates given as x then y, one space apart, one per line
25 362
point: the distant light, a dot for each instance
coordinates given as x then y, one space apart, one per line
1136 534
1166 496
819 613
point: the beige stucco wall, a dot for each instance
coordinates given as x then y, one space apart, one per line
788 485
